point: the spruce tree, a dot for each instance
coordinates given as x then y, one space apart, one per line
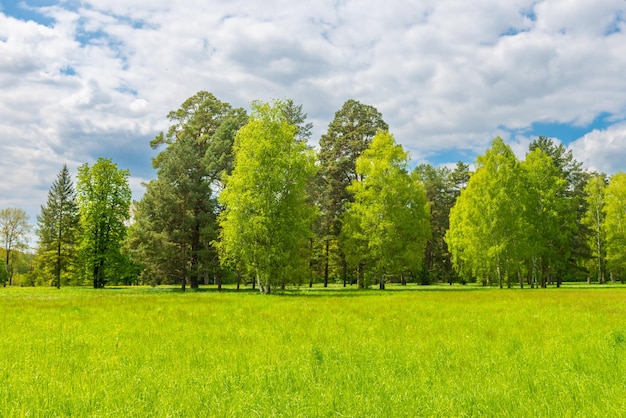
58 225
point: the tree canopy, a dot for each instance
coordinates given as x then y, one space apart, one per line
388 224
266 218
103 197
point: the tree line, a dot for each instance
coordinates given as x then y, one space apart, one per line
242 198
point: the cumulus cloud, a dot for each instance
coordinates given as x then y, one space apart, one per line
97 77
602 150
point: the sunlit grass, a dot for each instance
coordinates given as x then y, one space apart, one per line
159 352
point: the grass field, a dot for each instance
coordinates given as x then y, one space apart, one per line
435 352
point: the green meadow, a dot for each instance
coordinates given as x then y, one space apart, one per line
436 351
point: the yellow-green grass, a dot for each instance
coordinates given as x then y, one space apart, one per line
443 352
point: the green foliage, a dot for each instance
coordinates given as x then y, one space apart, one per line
615 224
145 352
4 273
175 221
294 115
443 187
348 135
594 220
266 218
14 228
487 225
387 225
58 230
103 197
550 222
573 242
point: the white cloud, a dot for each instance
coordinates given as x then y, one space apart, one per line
446 74
602 150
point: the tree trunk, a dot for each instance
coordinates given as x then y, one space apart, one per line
326 253
238 279
58 266
6 264
193 277
311 264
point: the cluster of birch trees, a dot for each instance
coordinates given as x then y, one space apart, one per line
538 221
243 198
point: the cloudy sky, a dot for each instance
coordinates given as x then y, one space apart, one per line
80 79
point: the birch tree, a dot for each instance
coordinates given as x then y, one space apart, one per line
390 213
615 225
265 224
486 235
594 219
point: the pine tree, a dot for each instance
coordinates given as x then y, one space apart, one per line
349 134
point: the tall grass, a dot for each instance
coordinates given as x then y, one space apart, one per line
85 352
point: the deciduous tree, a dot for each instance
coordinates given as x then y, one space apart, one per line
573 243
594 219
389 217
550 224
103 198
486 235
14 229
266 218
615 225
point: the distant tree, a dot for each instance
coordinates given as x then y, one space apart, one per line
615 225
265 224
443 187
389 216
103 197
594 219
175 222
348 135
14 228
58 227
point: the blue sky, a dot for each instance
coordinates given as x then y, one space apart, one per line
91 78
